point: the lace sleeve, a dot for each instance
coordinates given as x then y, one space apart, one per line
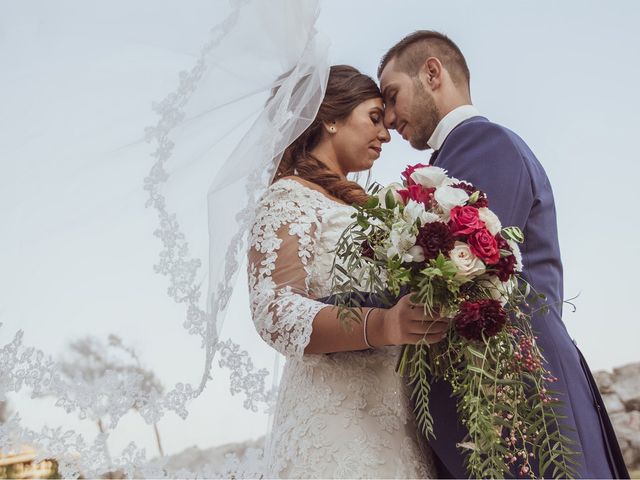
280 254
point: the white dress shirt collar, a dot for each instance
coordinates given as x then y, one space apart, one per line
450 121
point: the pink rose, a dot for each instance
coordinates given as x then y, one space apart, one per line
417 193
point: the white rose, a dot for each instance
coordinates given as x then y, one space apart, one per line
491 220
393 188
468 265
516 253
449 197
429 176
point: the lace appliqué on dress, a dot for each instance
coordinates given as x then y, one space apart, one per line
340 415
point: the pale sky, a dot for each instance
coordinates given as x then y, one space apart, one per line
563 75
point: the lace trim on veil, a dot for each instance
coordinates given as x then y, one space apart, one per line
118 392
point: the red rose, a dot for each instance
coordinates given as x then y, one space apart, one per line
480 317
409 170
484 246
417 193
465 220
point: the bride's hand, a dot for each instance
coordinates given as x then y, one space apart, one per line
406 323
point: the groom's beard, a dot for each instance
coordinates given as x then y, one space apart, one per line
424 117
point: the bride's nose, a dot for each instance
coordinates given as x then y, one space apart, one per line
383 135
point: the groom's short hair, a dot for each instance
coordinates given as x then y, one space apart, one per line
412 51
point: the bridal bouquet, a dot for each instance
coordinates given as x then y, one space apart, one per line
435 237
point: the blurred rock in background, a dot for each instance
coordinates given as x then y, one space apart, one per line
620 391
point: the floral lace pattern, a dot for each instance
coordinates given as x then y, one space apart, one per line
340 415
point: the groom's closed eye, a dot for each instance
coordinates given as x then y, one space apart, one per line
389 95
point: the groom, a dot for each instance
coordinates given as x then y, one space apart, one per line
424 79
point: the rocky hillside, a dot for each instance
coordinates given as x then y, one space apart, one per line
621 393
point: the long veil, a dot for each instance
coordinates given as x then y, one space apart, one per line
120 238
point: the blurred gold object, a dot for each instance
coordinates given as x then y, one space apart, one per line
21 465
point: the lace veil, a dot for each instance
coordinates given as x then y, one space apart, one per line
80 245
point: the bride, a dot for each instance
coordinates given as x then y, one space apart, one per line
341 409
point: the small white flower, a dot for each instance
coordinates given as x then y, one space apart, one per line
417 253
516 253
429 176
498 290
468 265
430 217
414 211
393 187
491 220
449 197
401 239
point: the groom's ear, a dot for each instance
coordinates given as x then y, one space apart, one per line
430 75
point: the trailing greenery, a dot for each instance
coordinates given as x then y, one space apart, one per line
500 383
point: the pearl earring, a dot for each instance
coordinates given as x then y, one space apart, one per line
332 129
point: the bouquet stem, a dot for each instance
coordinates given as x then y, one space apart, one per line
403 360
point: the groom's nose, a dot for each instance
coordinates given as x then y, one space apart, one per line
389 119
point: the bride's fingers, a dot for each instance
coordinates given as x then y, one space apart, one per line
419 315
439 324
423 328
429 338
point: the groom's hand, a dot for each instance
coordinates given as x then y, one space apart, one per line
406 323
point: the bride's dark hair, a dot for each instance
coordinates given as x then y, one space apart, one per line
346 89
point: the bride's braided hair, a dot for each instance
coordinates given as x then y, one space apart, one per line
346 89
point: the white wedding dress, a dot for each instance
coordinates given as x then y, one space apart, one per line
339 415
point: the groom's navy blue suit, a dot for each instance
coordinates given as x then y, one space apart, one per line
499 163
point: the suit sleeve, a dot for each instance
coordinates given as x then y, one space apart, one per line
487 156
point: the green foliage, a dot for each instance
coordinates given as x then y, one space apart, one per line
473 198
390 200
420 379
513 233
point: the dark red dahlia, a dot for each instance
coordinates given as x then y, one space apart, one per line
506 266
409 170
366 250
435 238
478 317
470 189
